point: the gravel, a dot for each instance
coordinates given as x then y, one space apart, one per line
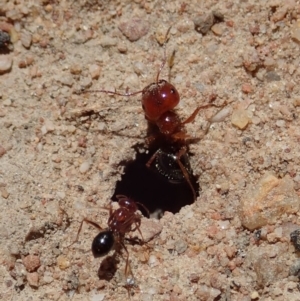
62 151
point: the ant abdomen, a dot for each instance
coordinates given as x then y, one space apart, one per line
166 164
103 243
158 98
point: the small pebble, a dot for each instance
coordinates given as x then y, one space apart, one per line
4 193
254 295
207 293
4 39
280 123
240 119
66 79
96 296
272 76
204 23
150 228
180 246
14 249
31 262
5 63
295 268
247 88
2 151
48 277
153 262
269 63
218 29
27 61
134 29
75 69
49 126
84 167
122 47
33 279
26 39
86 82
94 70
295 31
295 239
268 201
108 41
63 262
7 102
221 115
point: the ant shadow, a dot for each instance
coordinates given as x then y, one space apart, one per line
145 185
108 267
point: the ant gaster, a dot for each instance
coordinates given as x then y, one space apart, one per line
158 101
121 221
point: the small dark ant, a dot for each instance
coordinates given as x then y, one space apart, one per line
166 129
121 221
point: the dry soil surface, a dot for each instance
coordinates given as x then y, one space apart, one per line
62 152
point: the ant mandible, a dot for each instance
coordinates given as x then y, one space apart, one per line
159 100
121 221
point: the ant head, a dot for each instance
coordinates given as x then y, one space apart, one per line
103 243
127 203
158 98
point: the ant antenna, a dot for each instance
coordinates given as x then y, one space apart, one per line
112 92
127 94
165 55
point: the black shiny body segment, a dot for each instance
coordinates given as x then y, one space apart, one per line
103 243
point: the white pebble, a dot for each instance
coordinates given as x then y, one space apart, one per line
152 261
84 167
97 296
49 126
43 130
224 225
61 195
280 123
94 70
221 115
25 39
7 102
5 62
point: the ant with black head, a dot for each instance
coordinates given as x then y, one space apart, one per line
120 222
166 132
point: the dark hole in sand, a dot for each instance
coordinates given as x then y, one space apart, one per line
145 185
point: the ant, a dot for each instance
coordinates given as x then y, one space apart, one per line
166 129
121 221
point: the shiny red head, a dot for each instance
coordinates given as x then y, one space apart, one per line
158 98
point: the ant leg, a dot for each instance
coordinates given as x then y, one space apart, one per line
80 227
184 171
137 227
150 161
194 114
127 266
144 207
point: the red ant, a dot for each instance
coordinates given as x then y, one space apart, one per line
121 221
158 101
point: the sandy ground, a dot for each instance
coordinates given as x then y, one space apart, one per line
58 165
